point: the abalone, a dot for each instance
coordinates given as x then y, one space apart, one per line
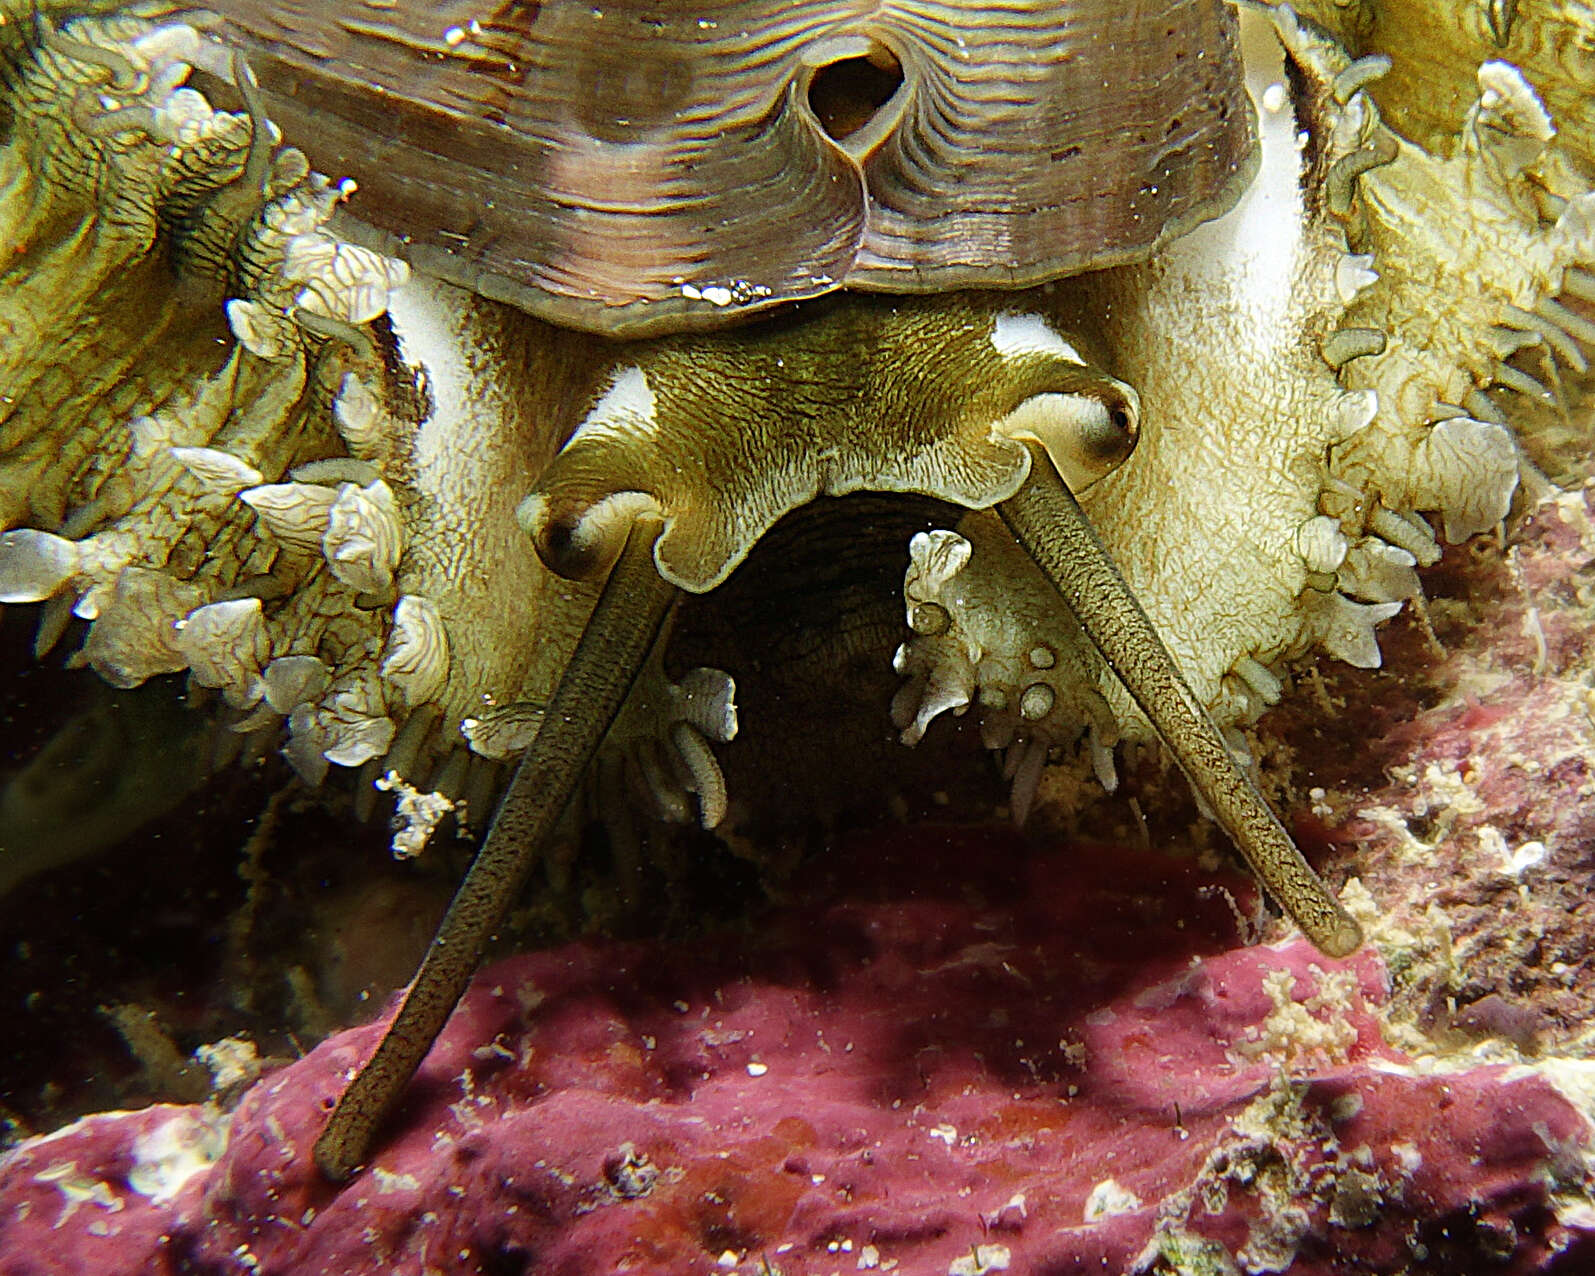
300 485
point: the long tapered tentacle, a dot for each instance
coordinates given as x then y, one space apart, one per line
624 627
1047 520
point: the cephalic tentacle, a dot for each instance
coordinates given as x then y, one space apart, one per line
625 625
1047 520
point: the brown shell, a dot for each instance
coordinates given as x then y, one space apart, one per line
640 165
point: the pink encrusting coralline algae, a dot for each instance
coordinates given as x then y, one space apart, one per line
1070 1066
977 1055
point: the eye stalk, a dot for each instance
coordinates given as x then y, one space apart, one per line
1087 432
582 543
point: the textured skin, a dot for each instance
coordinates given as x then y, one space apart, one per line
862 394
1435 46
1254 521
1269 448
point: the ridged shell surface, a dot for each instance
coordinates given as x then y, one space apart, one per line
629 167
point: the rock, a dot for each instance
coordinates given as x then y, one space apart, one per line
973 1061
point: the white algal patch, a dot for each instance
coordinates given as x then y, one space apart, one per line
232 1061
168 1155
77 1190
1109 1198
394 1180
1014 335
416 814
980 1260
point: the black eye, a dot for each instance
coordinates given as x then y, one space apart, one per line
1120 418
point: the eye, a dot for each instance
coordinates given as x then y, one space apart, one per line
1121 418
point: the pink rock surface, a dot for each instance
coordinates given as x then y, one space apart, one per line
973 1055
1461 791
975 1061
